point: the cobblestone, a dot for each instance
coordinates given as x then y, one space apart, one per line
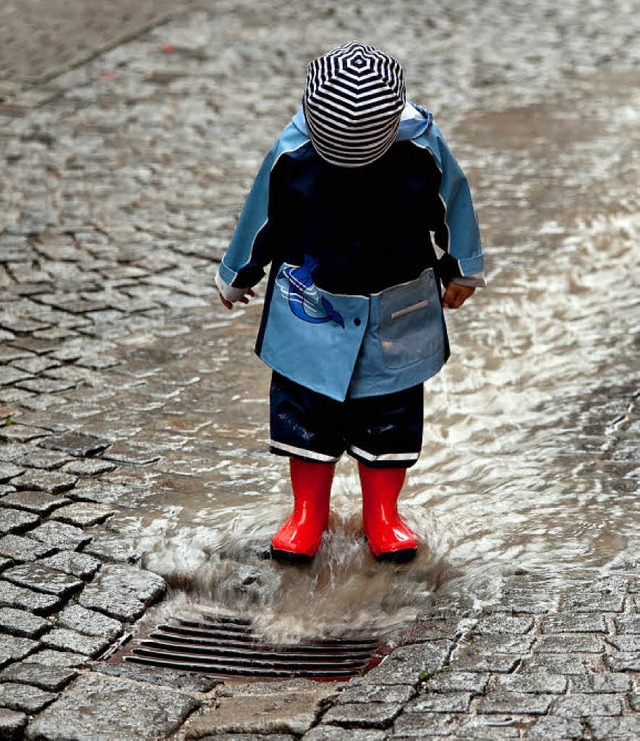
14 649
89 622
93 707
22 623
77 564
50 678
52 482
60 535
14 521
25 698
82 514
122 593
12 595
33 501
70 640
43 579
12 724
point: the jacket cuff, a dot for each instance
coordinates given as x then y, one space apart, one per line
477 280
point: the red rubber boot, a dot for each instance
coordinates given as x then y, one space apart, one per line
299 538
389 538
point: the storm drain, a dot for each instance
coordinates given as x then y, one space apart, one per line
228 647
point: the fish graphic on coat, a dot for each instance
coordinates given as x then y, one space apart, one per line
305 301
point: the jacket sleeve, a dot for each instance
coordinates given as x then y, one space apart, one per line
249 251
457 236
253 242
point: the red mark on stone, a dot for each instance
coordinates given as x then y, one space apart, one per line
108 75
168 48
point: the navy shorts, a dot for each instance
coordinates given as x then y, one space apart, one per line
381 431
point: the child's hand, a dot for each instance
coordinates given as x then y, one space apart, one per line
250 293
455 295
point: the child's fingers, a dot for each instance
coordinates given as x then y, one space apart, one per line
225 303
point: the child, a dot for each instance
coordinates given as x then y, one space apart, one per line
343 208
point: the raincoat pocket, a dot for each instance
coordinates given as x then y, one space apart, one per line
411 324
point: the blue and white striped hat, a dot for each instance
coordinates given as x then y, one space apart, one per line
352 104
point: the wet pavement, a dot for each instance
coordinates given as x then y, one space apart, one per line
134 415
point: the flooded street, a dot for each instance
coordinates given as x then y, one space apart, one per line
530 431
527 464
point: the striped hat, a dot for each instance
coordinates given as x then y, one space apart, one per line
352 104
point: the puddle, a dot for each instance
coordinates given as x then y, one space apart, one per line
530 435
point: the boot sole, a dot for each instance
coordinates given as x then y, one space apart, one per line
290 557
401 556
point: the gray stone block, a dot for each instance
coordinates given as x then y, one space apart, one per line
587 705
51 678
100 707
64 639
552 729
16 521
89 622
363 715
499 624
634 701
574 623
108 547
409 664
627 643
563 663
123 592
521 703
22 623
13 648
440 702
627 728
52 482
24 697
94 467
51 657
19 548
563 643
8 471
491 645
373 693
271 713
491 727
456 681
623 662
60 535
43 579
83 514
77 564
597 602
601 683
534 682
11 595
425 725
433 630
319 733
485 664
185 681
12 724
38 502
628 623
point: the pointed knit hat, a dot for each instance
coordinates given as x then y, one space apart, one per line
352 104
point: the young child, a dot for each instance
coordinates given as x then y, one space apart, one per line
363 213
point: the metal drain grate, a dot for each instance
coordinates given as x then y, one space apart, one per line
228 647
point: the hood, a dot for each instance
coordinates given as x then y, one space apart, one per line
414 121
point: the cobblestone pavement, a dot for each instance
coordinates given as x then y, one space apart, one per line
121 182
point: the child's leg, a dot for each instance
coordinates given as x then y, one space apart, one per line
385 436
389 538
305 426
299 538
